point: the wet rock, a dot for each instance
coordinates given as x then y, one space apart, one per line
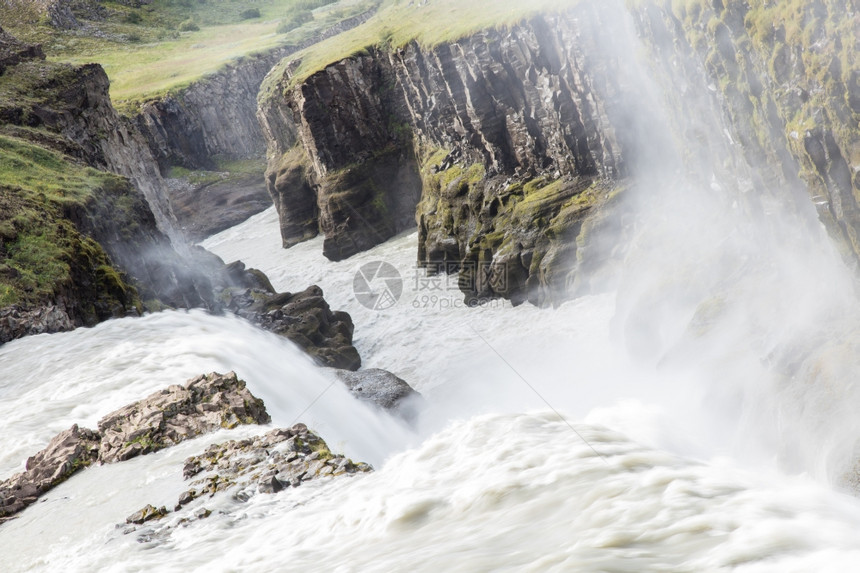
69 452
305 318
383 389
267 464
207 403
16 322
148 513
179 413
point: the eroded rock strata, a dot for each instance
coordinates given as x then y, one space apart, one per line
508 138
523 138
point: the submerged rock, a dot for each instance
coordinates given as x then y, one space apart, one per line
383 389
170 416
148 513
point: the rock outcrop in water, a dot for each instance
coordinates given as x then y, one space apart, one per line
267 464
204 404
383 389
165 418
305 318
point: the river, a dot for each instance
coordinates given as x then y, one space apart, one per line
542 447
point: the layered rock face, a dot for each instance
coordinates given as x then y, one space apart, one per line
217 116
785 81
518 135
356 177
513 136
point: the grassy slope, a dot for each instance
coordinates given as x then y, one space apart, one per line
38 244
146 55
400 21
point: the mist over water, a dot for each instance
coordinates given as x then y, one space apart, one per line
702 417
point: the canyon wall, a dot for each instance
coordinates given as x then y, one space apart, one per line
785 80
523 139
104 239
216 116
510 139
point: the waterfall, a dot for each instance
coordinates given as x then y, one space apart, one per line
700 418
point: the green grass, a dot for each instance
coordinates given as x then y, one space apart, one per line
399 21
146 55
38 245
225 172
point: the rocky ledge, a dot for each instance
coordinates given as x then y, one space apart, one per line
266 464
178 413
165 418
305 318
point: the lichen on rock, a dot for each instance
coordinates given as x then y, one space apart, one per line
268 464
178 413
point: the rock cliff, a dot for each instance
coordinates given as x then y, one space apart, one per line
499 144
523 137
78 243
784 79
216 116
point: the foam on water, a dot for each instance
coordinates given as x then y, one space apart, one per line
516 492
490 479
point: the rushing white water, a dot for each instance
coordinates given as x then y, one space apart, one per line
514 490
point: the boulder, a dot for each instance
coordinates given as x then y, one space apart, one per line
267 464
381 388
305 318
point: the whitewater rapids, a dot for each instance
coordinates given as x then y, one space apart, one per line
492 479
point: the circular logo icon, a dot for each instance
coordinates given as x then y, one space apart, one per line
377 285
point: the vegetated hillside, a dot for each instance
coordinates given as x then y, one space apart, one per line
79 244
151 48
